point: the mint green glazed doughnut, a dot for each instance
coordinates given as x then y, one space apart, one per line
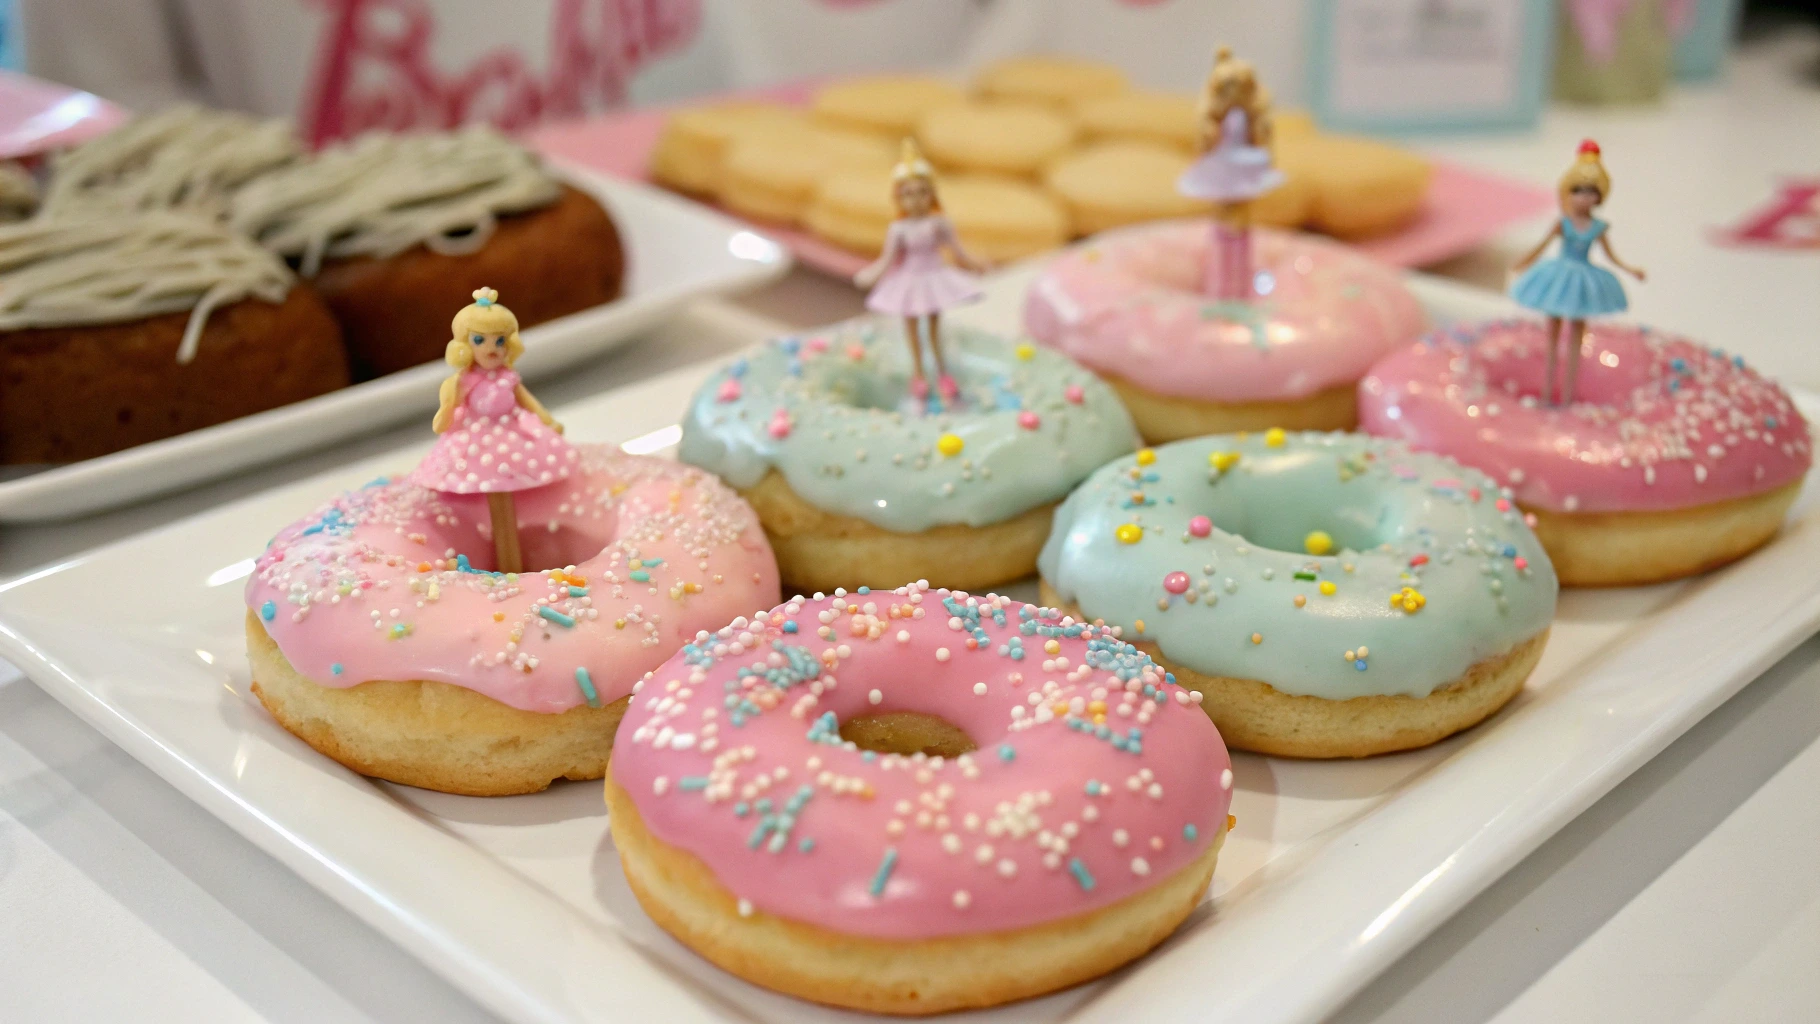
1203 547
825 410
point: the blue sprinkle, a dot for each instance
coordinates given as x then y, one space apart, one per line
640 576
764 804
1771 422
885 867
867 756
586 682
335 668
865 590
1359 664
790 627
805 844
1093 787
1080 873
378 481
1189 832
1005 753
578 591
555 616
268 611
692 782
738 369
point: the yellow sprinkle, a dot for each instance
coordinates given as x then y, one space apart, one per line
1146 456
1350 655
1129 533
1052 647
1364 652
1026 351
1328 588
1409 599
1257 638
619 623
949 444
499 616
1222 461
1318 542
1097 707
1274 437
1140 625
1300 600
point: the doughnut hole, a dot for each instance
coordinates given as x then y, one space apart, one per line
1605 377
906 733
571 542
1298 494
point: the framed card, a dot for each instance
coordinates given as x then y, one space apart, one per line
1409 66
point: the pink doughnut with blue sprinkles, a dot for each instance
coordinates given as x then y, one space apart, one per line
917 800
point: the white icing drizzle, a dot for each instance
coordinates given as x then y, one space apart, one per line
183 158
382 194
60 272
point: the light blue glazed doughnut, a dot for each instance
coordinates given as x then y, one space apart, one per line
1202 547
827 411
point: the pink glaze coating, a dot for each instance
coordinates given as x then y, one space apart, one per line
1127 303
1095 777
1659 422
381 582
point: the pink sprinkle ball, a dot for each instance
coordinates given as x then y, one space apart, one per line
1074 394
1520 562
1199 526
856 352
818 344
729 390
1503 505
1176 583
1029 420
780 425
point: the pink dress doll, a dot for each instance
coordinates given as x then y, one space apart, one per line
1234 168
911 279
496 437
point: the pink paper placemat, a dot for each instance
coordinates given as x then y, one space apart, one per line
37 116
1465 207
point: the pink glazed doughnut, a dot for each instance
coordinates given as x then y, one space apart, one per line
1674 459
378 636
918 800
1126 305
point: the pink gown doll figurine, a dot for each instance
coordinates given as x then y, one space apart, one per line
1570 287
911 279
1234 168
496 438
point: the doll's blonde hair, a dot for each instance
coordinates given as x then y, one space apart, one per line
1587 169
482 316
912 165
1234 82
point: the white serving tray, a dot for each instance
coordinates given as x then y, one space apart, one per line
676 251
1334 870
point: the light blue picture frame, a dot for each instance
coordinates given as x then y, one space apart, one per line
1534 65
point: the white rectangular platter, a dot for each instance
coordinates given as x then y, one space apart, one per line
1333 871
675 251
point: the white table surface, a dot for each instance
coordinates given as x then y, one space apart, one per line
1690 893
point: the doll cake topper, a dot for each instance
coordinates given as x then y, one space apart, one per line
910 278
496 437
1234 168
1569 287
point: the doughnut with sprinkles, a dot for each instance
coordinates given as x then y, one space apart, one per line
1673 457
917 800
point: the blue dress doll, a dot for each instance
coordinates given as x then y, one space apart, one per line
1570 287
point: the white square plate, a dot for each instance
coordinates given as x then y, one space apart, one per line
1334 870
675 251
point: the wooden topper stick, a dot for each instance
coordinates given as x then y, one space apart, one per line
504 513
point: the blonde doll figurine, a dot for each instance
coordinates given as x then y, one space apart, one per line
1569 287
1234 168
910 279
496 437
